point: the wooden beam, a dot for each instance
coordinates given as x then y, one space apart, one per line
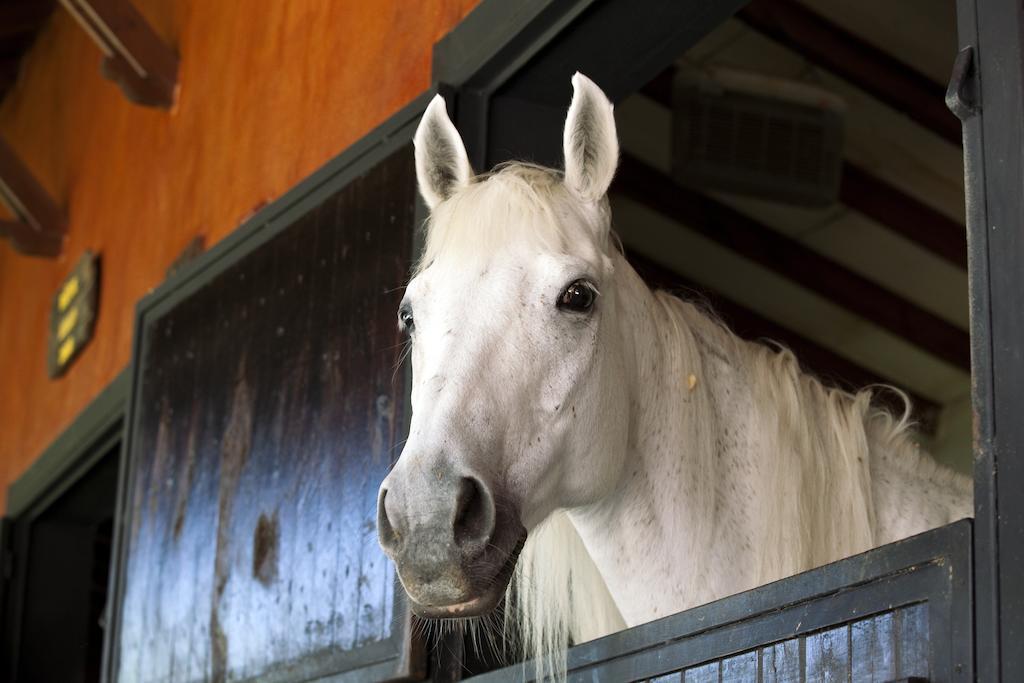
867 194
136 58
898 211
794 261
874 71
39 228
831 368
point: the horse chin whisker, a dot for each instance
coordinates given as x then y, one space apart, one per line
486 633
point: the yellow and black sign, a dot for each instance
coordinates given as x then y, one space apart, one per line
73 314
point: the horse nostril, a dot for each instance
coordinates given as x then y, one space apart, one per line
386 534
474 514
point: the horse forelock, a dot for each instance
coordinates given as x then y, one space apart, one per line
516 205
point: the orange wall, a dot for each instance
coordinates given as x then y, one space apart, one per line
270 90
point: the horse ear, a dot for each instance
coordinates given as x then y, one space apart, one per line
591 145
442 166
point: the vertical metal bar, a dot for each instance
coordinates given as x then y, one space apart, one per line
993 148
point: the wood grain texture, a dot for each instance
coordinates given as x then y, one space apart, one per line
911 638
675 677
269 411
267 96
781 663
707 673
872 658
739 669
881 648
828 655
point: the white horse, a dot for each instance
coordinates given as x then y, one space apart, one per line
649 459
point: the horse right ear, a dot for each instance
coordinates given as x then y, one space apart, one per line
590 142
442 165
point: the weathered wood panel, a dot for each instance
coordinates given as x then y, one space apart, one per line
270 91
911 641
702 674
865 651
780 663
827 655
872 659
266 414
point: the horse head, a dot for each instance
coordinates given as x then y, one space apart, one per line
520 394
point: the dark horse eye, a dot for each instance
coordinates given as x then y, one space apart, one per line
405 320
579 297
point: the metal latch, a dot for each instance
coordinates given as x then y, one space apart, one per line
962 93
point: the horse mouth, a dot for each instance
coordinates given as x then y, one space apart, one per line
488 598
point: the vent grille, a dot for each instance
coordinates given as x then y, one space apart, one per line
758 136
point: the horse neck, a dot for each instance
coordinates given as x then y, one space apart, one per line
733 452
663 506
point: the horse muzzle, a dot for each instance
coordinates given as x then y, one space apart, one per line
455 546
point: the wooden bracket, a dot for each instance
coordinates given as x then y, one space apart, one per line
141 64
39 226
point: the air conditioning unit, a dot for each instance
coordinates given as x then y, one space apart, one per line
757 135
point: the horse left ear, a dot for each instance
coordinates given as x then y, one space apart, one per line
591 145
442 165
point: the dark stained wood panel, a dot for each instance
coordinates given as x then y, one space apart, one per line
827 655
780 662
872 660
739 669
707 673
865 651
268 409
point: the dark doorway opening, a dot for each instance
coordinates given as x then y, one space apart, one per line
60 552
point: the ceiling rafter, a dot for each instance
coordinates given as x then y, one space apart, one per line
794 261
889 206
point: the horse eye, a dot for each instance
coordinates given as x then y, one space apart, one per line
405 320
579 297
